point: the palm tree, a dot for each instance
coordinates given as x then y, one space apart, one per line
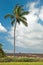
17 17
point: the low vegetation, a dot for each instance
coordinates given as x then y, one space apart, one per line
20 59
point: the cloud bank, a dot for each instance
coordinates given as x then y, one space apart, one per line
32 36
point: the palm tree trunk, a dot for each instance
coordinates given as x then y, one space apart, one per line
14 36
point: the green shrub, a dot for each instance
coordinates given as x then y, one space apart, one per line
24 59
19 59
5 59
2 53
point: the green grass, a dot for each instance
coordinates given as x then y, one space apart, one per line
21 63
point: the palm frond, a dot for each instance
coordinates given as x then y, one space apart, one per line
16 9
23 18
18 21
20 10
12 23
23 21
25 13
16 6
9 15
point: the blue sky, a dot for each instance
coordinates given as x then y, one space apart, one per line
31 38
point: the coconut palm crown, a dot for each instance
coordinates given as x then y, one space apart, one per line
17 16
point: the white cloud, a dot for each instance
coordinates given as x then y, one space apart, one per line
8 51
41 13
31 36
2 28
